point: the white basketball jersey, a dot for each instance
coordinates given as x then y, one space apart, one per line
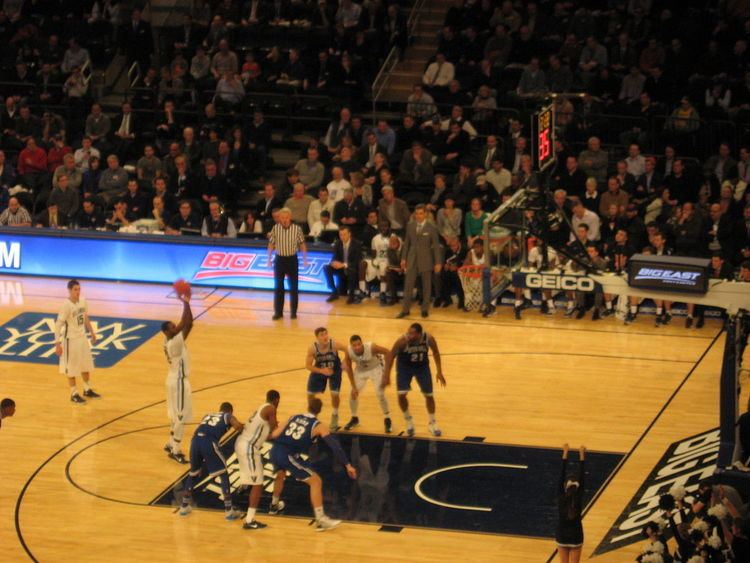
256 429
71 320
367 360
380 246
177 356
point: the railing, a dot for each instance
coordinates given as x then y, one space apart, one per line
134 75
381 79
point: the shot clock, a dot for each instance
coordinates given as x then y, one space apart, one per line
543 127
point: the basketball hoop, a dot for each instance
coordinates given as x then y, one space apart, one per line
471 281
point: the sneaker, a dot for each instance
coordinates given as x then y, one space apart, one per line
254 525
543 307
434 430
658 320
517 313
167 447
326 523
402 314
549 311
425 314
179 457
91 393
383 300
667 318
700 322
447 303
353 423
608 312
688 322
527 303
331 298
629 318
275 509
76 398
293 316
581 313
185 509
387 424
233 514
334 422
569 312
596 315
410 427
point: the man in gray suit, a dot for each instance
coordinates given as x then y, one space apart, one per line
421 255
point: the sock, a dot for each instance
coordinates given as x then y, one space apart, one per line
571 304
384 404
175 445
407 416
86 386
225 491
383 287
73 391
518 303
431 417
362 286
609 305
527 293
550 304
353 406
634 309
250 516
335 411
319 512
689 316
659 310
274 500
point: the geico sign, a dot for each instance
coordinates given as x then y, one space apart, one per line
553 281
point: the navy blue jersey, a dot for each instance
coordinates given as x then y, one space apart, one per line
214 425
329 359
414 355
297 436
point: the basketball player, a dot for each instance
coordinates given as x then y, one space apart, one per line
412 360
179 392
369 358
248 447
293 440
324 365
377 266
204 448
72 345
7 409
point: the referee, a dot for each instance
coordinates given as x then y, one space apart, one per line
286 239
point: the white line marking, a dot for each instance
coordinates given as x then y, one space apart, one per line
423 478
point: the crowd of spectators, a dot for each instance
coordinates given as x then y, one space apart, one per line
154 165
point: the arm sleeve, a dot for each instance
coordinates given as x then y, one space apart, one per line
335 446
561 484
581 484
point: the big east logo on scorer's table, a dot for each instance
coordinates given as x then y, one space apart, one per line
30 337
220 264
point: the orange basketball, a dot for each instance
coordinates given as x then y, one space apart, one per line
181 287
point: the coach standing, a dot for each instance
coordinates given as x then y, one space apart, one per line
421 254
286 239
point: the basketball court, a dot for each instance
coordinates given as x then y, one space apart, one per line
91 482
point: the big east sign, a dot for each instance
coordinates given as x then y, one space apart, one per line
220 264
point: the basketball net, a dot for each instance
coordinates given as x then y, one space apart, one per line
471 281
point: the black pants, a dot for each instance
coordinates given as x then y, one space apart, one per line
285 266
348 279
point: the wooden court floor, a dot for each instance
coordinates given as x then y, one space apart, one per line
537 382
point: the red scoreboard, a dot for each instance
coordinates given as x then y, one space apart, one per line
543 138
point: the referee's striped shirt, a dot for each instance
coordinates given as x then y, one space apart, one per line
287 241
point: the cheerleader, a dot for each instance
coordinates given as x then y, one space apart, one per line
569 533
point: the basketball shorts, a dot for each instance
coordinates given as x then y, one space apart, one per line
362 377
317 383
76 357
179 399
204 449
250 462
284 460
376 268
422 375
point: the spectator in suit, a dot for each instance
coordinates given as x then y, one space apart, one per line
51 217
184 219
259 138
212 186
347 266
137 202
725 235
137 41
394 210
125 131
416 166
350 212
572 179
421 256
366 153
218 224
98 127
266 205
